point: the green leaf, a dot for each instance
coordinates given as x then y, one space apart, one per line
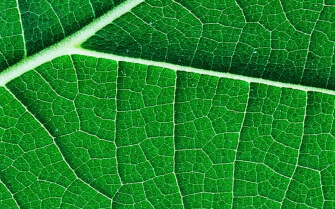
167 104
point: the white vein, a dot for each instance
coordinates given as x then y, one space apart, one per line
174 144
93 12
60 23
175 67
22 30
298 155
116 147
201 31
288 20
238 143
310 41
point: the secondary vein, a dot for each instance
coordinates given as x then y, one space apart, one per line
22 30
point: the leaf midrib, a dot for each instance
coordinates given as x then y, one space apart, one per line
72 45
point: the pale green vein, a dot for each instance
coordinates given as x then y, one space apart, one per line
22 30
175 67
60 23
116 148
297 163
174 143
288 20
238 143
202 27
89 1
309 43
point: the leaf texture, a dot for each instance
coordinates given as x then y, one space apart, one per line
167 104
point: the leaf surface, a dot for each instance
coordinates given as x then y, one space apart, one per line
167 104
